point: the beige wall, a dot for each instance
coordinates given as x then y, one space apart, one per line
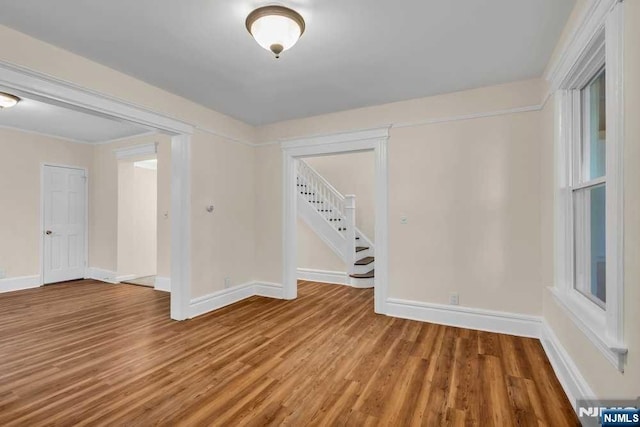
469 188
482 100
137 220
163 210
604 378
125 225
222 242
146 221
20 173
268 221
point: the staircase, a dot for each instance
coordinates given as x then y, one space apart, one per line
333 218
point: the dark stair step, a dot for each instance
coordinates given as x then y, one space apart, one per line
365 261
312 194
361 248
325 210
342 229
369 275
357 238
335 219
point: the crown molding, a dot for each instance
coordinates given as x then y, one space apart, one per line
589 26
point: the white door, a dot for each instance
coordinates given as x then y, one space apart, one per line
65 208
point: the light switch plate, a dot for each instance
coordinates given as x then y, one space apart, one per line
404 220
2 274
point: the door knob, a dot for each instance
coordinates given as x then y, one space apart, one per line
48 232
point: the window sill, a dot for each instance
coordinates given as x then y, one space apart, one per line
591 321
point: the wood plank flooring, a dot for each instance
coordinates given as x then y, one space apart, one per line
87 353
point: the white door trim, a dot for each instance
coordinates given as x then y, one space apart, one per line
86 214
26 82
375 140
149 149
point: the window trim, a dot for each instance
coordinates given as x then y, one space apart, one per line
604 328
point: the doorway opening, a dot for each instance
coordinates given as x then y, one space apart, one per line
138 221
336 193
23 263
293 151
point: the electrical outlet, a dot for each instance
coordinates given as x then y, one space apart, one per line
454 298
2 274
227 282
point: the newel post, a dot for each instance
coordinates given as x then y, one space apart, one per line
350 233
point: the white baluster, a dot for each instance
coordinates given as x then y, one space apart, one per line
350 234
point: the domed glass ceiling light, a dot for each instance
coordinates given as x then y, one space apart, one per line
275 28
7 100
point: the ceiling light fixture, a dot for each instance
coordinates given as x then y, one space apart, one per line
275 28
7 100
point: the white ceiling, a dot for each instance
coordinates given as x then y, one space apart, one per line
354 53
38 117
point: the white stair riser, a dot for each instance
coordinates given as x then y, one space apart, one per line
362 269
364 254
361 283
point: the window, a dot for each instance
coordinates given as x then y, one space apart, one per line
589 194
589 205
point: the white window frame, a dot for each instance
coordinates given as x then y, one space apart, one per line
581 161
601 47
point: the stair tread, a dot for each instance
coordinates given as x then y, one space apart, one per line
365 261
361 248
369 275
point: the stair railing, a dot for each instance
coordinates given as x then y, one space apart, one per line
322 194
325 197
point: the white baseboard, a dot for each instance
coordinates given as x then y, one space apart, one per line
19 283
323 276
126 277
101 274
465 317
572 381
162 284
205 304
269 290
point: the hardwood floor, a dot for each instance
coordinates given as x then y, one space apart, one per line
88 353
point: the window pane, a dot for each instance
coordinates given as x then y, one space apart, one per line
590 243
595 129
